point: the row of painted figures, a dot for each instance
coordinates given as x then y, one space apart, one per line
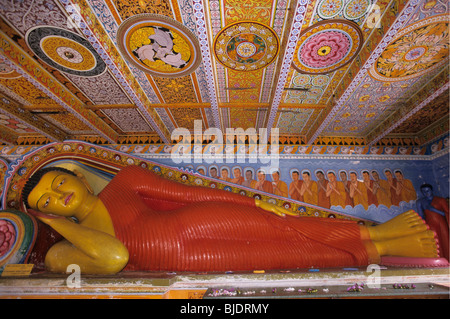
328 191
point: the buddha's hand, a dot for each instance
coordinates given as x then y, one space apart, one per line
280 211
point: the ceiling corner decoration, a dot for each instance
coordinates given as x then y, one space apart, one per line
246 46
65 51
159 45
327 46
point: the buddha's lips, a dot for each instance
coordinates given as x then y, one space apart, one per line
68 199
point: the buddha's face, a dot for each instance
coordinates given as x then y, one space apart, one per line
58 193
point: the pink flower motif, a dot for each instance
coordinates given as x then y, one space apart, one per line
325 49
7 236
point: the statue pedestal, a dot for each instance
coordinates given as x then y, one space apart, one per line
313 283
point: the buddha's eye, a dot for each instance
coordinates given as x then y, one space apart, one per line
60 183
46 202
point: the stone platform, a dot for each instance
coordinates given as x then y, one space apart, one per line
312 283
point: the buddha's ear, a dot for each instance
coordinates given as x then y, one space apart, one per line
84 180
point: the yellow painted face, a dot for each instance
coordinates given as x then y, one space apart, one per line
58 193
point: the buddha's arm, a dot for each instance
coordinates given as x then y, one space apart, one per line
96 252
151 185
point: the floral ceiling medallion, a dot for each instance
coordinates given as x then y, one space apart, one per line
246 46
327 46
159 45
64 50
415 51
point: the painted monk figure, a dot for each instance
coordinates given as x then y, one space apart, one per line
263 184
370 190
358 191
141 221
405 188
238 178
279 187
395 197
295 186
322 199
381 189
309 189
346 183
335 191
249 181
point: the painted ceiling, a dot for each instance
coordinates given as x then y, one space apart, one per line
133 71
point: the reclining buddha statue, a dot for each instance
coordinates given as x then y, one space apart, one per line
143 222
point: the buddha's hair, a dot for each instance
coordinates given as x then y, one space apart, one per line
36 177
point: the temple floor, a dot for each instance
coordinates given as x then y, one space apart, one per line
313 283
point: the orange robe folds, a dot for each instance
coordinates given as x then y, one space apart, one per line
322 199
266 187
371 197
313 197
361 196
296 194
348 198
280 188
395 199
169 226
383 193
335 198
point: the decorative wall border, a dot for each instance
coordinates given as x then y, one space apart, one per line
435 148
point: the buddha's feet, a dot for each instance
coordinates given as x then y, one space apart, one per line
405 224
419 245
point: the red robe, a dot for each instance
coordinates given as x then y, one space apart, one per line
169 226
323 200
371 197
348 199
439 224
395 199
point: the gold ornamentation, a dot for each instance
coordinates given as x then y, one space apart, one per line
68 53
416 50
246 46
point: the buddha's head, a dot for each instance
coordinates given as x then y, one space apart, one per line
57 191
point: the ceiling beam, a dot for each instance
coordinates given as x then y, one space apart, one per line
200 20
300 9
398 24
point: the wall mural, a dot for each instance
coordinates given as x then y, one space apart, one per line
373 189
374 193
